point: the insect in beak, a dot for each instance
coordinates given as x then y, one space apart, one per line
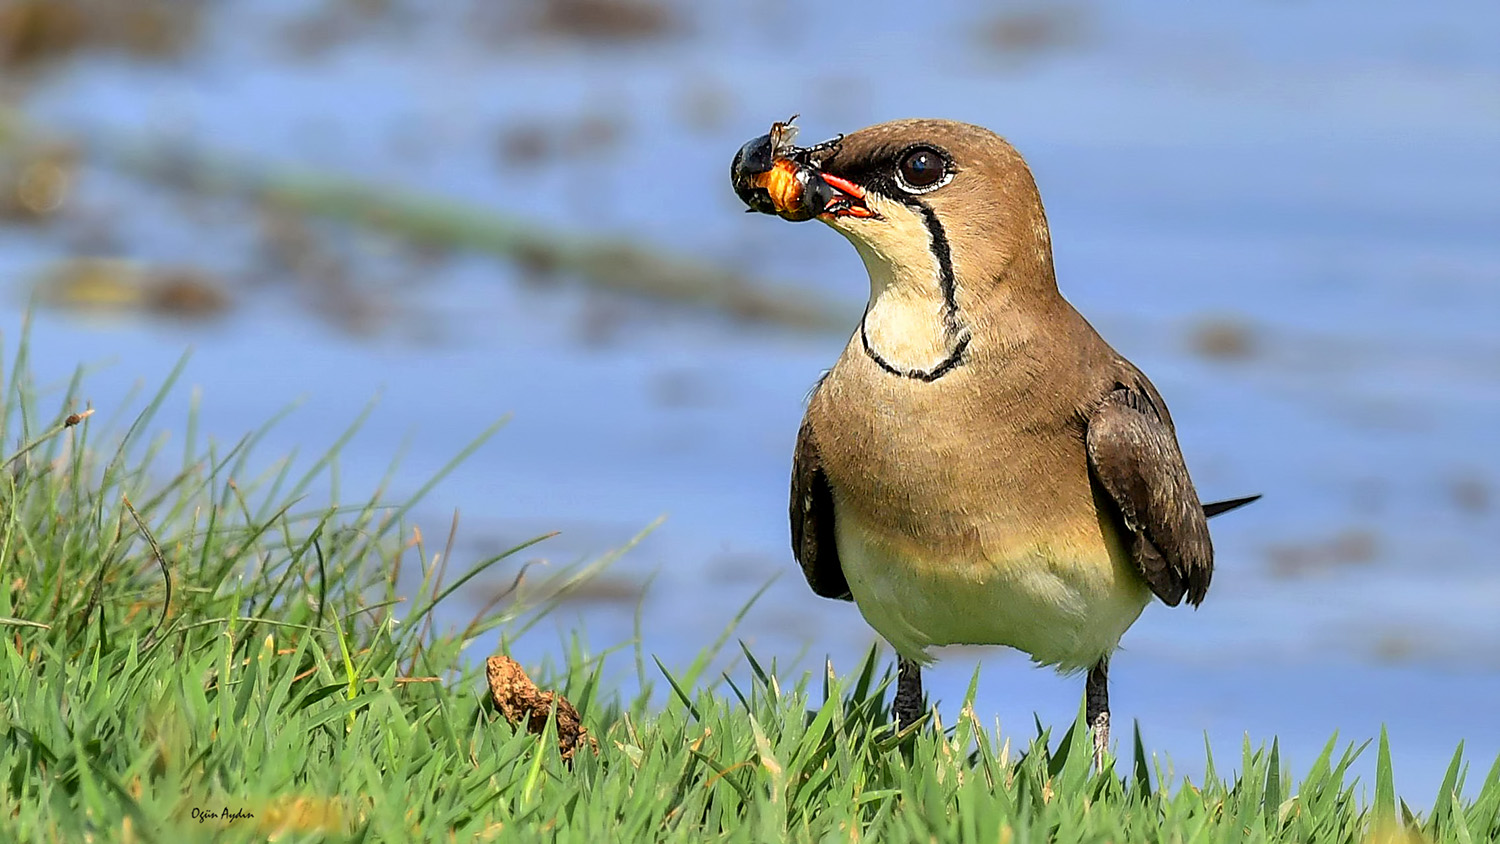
774 176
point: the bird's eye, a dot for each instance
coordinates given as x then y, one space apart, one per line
922 169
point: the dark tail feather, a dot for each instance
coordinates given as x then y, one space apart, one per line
1214 509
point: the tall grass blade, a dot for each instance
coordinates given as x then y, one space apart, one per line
1385 784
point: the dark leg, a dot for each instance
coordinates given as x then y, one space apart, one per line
907 706
1096 708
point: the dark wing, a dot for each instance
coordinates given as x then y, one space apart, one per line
1134 457
812 521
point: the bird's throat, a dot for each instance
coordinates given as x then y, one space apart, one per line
912 336
912 326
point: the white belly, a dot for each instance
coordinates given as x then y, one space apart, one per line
1055 604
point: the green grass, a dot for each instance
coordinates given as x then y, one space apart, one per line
179 634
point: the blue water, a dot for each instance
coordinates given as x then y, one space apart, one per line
1327 177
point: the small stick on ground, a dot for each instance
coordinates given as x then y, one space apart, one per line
519 699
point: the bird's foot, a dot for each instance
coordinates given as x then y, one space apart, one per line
906 715
1096 709
1100 728
907 706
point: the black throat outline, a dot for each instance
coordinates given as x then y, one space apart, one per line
953 324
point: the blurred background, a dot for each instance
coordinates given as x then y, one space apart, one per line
1288 214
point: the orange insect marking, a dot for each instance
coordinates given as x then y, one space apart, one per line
780 182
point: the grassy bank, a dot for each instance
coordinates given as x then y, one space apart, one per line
190 650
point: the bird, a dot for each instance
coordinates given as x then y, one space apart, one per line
979 466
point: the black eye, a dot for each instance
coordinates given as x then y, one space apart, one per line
922 168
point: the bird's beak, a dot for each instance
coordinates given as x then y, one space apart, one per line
848 199
791 189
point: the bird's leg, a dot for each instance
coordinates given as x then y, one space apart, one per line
1096 708
907 707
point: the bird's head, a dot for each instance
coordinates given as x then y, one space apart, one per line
951 195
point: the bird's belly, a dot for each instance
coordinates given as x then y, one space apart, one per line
1065 605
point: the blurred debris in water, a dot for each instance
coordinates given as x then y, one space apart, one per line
119 285
606 589
35 182
34 32
333 23
1223 339
1470 494
618 21
1351 547
528 143
185 292
607 20
1022 32
293 250
36 176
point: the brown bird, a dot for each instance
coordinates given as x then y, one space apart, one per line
979 466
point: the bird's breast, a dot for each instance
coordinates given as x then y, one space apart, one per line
943 461
1065 601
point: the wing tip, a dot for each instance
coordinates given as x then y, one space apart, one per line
1220 507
